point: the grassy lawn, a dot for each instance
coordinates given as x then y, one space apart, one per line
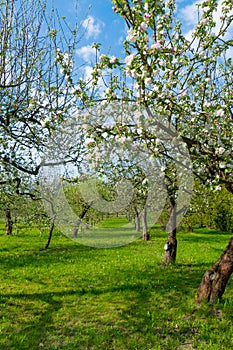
108 234
74 297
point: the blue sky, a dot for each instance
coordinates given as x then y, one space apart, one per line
104 25
99 23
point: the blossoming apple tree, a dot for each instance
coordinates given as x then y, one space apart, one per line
34 91
186 80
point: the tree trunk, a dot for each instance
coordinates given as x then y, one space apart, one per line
170 246
50 235
9 222
215 279
85 210
190 229
145 234
87 224
137 220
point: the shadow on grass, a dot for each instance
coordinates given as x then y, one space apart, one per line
143 298
206 231
127 307
30 333
43 257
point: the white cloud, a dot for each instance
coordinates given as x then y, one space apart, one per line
92 26
217 18
189 14
87 71
87 53
120 40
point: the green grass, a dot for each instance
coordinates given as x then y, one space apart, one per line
73 297
108 233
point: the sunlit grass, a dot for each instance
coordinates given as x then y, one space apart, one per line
108 233
76 297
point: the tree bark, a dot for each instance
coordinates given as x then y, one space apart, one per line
215 279
170 246
9 222
50 234
145 234
190 229
137 220
85 210
128 217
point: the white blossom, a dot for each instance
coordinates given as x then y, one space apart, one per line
129 59
132 35
89 141
105 135
156 88
113 59
146 6
139 131
143 26
162 63
148 81
120 139
204 21
206 9
220 150
156 46
146 15
222 165
219 113
134 74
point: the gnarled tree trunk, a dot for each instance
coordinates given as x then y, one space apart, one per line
170 246
215 279
9 222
